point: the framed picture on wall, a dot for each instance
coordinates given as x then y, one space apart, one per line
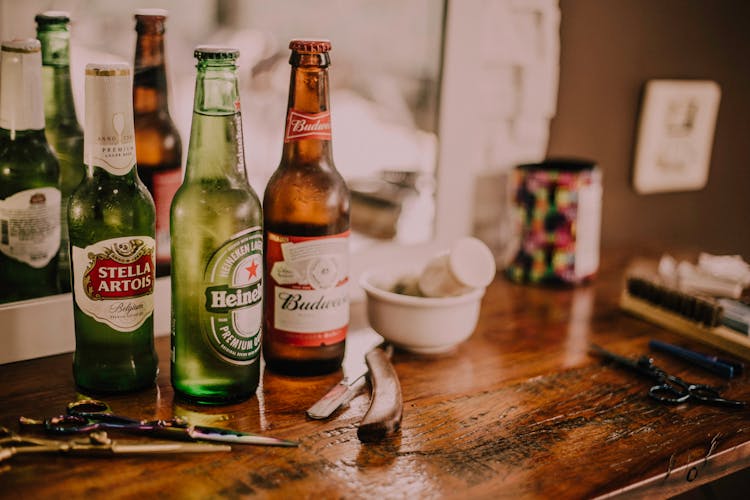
675 135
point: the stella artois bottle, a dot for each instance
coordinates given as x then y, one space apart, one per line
111 224
157 142
217 260
306 230
29 189
63 131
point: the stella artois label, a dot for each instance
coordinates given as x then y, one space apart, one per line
113 281
301 125
309 277
232 314
30 226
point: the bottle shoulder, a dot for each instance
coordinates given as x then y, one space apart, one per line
28 155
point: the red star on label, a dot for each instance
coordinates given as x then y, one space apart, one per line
252 269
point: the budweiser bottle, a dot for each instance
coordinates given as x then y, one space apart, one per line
157 142
111 224
306 230
29 189
217 260
63 131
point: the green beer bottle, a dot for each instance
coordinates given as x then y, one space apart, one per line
29 171
111 224
216 243
63 131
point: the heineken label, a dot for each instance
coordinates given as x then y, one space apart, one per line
30 226
232 314
309 277
113 281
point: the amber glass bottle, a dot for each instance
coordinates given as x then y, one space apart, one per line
157 142
306 230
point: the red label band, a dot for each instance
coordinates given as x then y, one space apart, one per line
109 279
301 126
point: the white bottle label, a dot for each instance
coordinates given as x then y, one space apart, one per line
113 281
30 226
310 297
21 103
588 227
109 140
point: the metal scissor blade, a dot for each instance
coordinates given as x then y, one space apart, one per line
358 344
236 437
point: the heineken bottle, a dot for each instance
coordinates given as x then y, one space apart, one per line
216 243
29 190
111 224
63 131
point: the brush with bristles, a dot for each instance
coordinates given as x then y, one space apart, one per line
689 315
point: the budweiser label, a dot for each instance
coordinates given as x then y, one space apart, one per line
109 139
21 103
301 125
30 226
232 314
113 281
310 296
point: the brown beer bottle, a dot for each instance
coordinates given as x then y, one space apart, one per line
306 230
157 142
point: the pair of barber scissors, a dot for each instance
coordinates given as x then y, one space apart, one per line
96 444
91 415
669 388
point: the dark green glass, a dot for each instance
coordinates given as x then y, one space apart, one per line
29 191
106 211
216 245
26 162
63 131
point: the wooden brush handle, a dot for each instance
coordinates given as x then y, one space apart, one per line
383 417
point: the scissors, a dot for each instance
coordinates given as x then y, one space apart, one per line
96 443
89 415
669 388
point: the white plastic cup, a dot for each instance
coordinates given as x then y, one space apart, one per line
468 265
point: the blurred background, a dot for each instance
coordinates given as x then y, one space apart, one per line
435 101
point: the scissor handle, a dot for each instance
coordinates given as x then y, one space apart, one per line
667 393
97 410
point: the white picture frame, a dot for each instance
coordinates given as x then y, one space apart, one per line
675 135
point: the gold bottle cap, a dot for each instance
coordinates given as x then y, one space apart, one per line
22 45
108 69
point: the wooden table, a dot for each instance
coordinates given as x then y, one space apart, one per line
519 410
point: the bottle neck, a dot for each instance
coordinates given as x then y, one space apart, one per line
307 134
109 138
150 78
59 105
21 104
216 145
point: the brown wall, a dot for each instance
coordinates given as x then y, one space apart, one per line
609 49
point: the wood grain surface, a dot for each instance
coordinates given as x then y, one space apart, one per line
519 410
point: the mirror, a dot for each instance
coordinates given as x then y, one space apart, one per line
385 83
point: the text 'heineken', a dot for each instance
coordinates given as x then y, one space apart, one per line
111 224
306 230
29 190
217 259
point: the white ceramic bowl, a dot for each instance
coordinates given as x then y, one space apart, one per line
424 325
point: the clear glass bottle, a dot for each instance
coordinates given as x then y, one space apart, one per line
29 179
157 141
306 230
217 260
62 129
111 224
